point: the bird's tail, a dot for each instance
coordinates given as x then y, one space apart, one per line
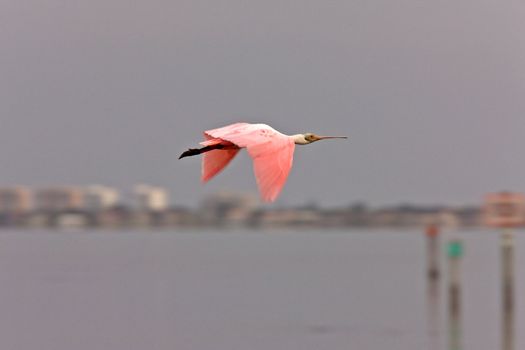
196 151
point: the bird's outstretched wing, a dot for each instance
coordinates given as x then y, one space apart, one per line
271 151
213 162
272 162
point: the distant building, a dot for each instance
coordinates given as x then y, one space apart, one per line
228 207
98 198
15 200
59 199
151 198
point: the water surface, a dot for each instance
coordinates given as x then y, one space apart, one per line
241 291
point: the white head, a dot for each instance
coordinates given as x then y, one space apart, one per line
305 139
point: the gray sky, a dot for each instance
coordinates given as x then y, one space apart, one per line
112 91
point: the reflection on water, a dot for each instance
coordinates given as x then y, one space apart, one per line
507 292
454 325
508 331
433 311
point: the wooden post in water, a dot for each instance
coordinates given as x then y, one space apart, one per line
455 253
433 275
506 210
507 289
432 234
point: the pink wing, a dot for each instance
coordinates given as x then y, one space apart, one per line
271 151
213 162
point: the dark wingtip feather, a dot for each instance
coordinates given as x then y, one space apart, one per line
190 152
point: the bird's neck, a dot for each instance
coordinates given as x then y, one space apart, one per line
299 139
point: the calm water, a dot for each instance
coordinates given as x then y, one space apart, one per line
241 291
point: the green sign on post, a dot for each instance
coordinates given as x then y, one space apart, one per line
455 249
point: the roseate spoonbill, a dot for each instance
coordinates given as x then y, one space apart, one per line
271 151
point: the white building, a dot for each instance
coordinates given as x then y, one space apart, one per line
98 197
151 198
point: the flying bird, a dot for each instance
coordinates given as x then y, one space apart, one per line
271 151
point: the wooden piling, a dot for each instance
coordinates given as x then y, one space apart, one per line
433 274
506 210
432 234
507 289
433 315
455 252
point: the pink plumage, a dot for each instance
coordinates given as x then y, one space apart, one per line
271 151
214 161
